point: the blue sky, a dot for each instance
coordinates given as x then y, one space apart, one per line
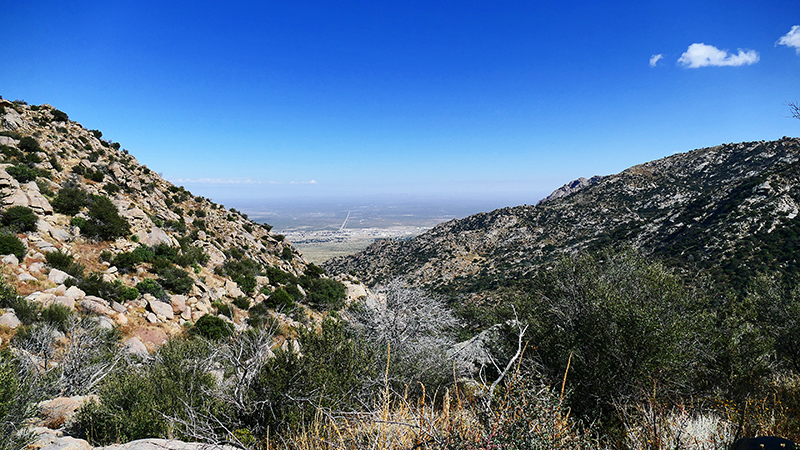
502 100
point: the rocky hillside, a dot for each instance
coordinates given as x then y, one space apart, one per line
731 209
89 228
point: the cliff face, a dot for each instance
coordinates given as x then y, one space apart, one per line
732 209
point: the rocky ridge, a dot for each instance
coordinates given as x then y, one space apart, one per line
44 154
732 209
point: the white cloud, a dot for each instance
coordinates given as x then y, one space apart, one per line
655 59
702 55
303 182
791 39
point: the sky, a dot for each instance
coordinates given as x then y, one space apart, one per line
449 99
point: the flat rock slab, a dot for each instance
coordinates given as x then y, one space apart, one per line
165 444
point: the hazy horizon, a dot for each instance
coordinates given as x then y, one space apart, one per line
370 211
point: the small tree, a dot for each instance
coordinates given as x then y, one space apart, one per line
794 109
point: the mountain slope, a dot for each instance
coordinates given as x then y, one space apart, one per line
731 208
115 224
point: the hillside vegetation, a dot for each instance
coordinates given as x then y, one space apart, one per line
656 309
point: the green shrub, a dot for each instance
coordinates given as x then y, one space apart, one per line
136 401
223 308
104 220
59 116
314 271
29 145
57 315
19 219
23 173
97 175
111 188
278 276
334 370
94 284
212 327
63 261
127 261
173 278
242 303
12 245
151 286
70 200
279 299
287 254
324 293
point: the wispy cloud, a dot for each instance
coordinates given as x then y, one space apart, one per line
702 55
216 181
234 181
655 59
791 39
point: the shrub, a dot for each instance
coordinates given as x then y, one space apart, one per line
29 145
212 327
173 278
19 219
94 284
279 299
104 220
334 369
151 286
97 175
59 116
242 303
65 262
57 316
324 293
22 173
70 200
111 188
278 276
12 245
287 254
223 308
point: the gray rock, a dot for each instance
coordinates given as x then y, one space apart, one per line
119 308
161 309
178 303
75 292
165 444
62 300
135 346
9 321
25 277
10 259
151 318
232 288
94 307
58 276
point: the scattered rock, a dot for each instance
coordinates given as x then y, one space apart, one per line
59 411
135 346
162 309
10 259
57 276
9 320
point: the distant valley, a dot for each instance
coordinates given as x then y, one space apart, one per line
323 230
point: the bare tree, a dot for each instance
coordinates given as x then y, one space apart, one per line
794 109
418 327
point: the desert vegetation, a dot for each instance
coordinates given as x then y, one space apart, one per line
608 350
